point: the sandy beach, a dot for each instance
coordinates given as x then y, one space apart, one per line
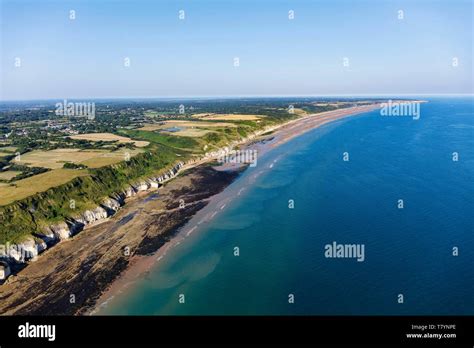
286 132
78 276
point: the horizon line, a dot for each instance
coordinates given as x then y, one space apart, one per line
211 97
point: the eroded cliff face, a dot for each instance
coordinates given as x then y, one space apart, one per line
14 255
20 254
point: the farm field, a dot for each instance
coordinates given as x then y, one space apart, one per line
109 137
38 183
108 158
9 174
232 117
177 123
55 159
189 132
167 139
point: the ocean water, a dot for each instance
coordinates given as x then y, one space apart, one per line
408 251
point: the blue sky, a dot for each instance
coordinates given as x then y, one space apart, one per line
84 58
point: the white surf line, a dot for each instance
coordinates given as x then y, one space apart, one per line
204 219
179 240
102 305
213 214
223 206
274 161
191 231
240 191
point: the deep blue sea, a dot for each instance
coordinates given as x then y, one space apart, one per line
408 251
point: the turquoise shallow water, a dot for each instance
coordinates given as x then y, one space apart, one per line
407 251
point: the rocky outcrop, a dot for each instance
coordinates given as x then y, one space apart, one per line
77 224
141 186
130 192
12 254
22 252
4 271
153 183
61 231
90 216
32 247
111 205
49 236
119 197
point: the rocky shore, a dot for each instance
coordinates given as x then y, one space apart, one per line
15 256
68 279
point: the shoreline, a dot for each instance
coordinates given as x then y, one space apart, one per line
103 267
139 267
68 279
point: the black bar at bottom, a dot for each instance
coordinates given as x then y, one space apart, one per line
413 330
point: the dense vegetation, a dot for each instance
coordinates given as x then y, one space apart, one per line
26 171
70 165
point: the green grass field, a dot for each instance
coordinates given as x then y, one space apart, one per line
178 142
38 183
